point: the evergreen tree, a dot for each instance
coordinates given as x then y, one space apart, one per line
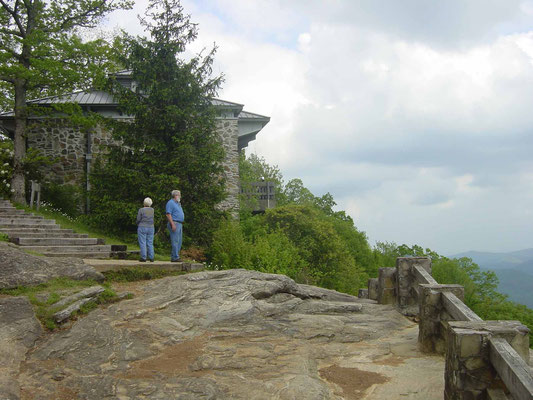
42 53
170 142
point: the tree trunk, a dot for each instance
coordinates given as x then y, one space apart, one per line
19 143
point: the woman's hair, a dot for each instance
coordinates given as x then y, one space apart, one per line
147 202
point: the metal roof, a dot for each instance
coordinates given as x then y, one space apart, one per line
94 97
245 115
225 103
99 97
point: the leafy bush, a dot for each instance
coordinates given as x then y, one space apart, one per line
300 241
67 199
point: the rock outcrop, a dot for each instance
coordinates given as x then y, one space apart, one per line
233 335
19 330
18 268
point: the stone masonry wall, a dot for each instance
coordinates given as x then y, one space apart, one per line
229 134
66 143
69 145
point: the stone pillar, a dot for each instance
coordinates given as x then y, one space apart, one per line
405 279
363 294
228 131
373 288
469 372
431 335
387 286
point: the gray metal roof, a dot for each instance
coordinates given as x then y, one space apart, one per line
245 115
101 98
226 104
94 97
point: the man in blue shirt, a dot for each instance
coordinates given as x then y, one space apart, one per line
175 218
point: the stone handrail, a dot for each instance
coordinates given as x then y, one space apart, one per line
457 309
482 357
513 371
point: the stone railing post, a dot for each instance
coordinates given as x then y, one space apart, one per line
405 279
387 286
431 335
469 372
373 288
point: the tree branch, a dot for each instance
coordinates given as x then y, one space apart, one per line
10 51
10 32
6 78
15 15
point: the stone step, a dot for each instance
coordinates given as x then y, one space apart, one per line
27 221
25 226
39 231
11 210
20 216
57 233
86 254
58 241
48 250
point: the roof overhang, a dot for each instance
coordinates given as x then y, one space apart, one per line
249 124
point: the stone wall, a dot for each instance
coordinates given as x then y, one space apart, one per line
65 143
69 145
484 359
228 130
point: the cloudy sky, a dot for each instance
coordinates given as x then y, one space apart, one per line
416 115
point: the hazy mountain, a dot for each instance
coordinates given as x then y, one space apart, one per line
514 270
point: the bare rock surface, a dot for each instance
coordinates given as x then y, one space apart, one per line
18 268
19 329
234 335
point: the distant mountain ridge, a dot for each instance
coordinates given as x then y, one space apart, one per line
514 270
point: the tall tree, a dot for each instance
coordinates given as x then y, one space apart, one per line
42 52
170 142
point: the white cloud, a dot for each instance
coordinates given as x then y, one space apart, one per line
415 115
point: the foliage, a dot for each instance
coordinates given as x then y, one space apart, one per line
50 286
255 169
171 142
6 168
67 199
35 163
302 237
296 240
42 53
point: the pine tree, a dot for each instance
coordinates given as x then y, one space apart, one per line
170 142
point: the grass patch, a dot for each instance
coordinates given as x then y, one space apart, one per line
52 285
45 295
4 237
139 274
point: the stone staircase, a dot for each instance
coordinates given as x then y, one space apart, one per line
44 236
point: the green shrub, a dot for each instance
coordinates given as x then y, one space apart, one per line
67 199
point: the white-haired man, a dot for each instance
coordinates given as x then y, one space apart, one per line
175 218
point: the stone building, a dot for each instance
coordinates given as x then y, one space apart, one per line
75 147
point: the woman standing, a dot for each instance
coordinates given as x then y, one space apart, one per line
145 230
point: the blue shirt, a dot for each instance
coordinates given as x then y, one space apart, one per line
174 209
